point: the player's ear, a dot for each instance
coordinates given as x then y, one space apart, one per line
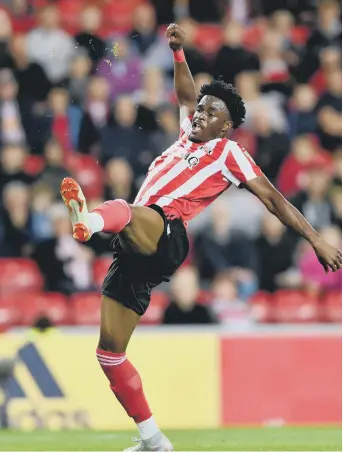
228 125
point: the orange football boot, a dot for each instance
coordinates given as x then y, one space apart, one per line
75 202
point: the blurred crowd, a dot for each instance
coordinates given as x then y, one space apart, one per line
81 92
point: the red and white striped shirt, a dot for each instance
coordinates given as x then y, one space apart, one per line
189 176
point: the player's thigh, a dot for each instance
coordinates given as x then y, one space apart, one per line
144 231
117 325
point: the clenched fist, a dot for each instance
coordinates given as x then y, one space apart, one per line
176 36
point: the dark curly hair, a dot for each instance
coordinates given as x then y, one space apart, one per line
229 95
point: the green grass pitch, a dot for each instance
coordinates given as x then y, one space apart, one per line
235 439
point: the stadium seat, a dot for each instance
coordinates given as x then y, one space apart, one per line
9 314
88 174
19 275
100 268
70 14
332 307
299 35
209 38
205 297
33 305
85 308
154 313
118 15
261 307
295 306
34 164
253 36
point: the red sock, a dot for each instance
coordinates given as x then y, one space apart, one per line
125 383
116 215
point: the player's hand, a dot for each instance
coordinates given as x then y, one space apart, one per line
176 36
329 256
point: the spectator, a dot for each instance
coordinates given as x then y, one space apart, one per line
151 48
274 250
50 46
65 119
12 168
335 198
302 115
304 154
220 247
16 220
14 115
79 78
275 75
337 168
96 115
64 263
130 143
123 71
313 201
330 113
271 104
201 12
272 147
312 274
328 33
330 61
153 95
168 128
55 167
282 22
119 180
226 304
241 60
33 83
88 37
43 197
5 36
184 308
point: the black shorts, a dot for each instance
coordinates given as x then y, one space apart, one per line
132 276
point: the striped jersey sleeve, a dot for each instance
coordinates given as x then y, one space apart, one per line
186 126
239 166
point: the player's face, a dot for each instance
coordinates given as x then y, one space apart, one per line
211 120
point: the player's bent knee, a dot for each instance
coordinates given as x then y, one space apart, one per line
110 344
144 230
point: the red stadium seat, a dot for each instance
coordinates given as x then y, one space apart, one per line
253 36
34 164
86 308
70 14
34 305
100 268
9 314
19 275
332 307
154 313
118 15
88 174
205 297
295 306
209 38
261 307
299 35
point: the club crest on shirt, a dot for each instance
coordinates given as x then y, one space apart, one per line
192 160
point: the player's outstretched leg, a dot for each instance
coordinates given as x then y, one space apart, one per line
142 227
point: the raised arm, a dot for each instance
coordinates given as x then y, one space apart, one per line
328 256
183 80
